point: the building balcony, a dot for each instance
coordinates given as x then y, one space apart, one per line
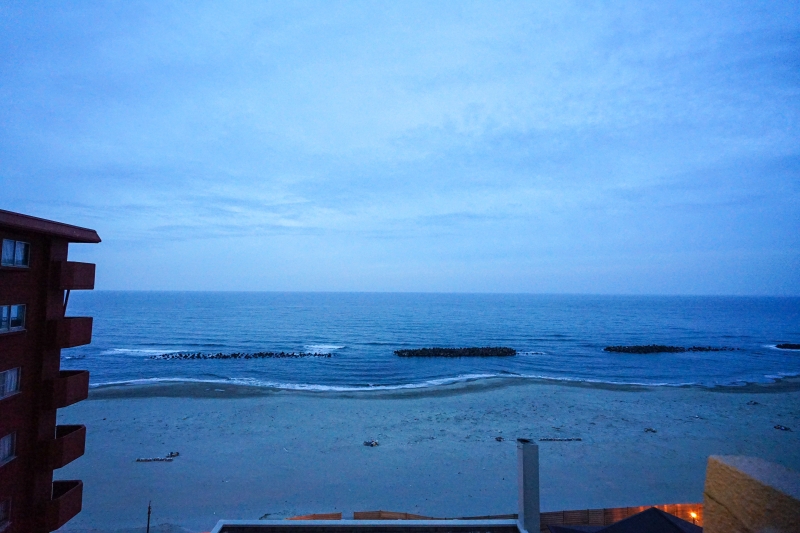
69 444
71 386
75 276
64 504
70 332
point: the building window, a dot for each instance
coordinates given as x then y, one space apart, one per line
7 447
9 382
5 513
16 253
12 317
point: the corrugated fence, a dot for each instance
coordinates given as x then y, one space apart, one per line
691 512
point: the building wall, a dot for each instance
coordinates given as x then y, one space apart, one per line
745 494
22 349
27 479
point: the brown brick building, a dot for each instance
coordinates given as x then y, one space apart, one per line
35 282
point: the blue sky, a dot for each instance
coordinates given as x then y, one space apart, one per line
635 148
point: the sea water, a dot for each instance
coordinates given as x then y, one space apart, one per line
557 337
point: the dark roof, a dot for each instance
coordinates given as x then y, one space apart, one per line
650 521
47 227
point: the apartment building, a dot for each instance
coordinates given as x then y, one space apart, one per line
35 283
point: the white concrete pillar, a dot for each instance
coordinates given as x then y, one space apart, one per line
528 480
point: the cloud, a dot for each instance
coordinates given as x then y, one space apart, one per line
480 130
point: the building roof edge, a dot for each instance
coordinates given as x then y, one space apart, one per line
48 227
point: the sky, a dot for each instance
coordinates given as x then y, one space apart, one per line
533 147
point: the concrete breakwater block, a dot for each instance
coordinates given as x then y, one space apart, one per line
660 348
191 356
458 352
748 494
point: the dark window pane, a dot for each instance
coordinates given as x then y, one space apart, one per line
7 447
9 382
21 254
12 380
4 317
8 252
17 316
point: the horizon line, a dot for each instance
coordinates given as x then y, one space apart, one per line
498 293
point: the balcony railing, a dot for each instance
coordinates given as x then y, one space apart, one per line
69 444
65 503
75 276
70 332
71 386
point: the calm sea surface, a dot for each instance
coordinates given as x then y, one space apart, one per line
557 337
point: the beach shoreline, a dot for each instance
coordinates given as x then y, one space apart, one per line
248 452
231 389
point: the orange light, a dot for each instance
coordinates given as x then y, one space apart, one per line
693 514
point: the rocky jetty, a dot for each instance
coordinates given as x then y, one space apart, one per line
184 356
788 346
660 348
457 352
711 349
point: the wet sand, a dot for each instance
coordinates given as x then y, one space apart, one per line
247 452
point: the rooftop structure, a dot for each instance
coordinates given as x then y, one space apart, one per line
528 519
742 494
651 520
35 281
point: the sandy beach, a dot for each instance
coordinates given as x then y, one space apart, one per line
247 453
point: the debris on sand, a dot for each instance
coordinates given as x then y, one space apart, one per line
371 443
650 430
782 428
166 459
557 439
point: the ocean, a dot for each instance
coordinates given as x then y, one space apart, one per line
557 337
